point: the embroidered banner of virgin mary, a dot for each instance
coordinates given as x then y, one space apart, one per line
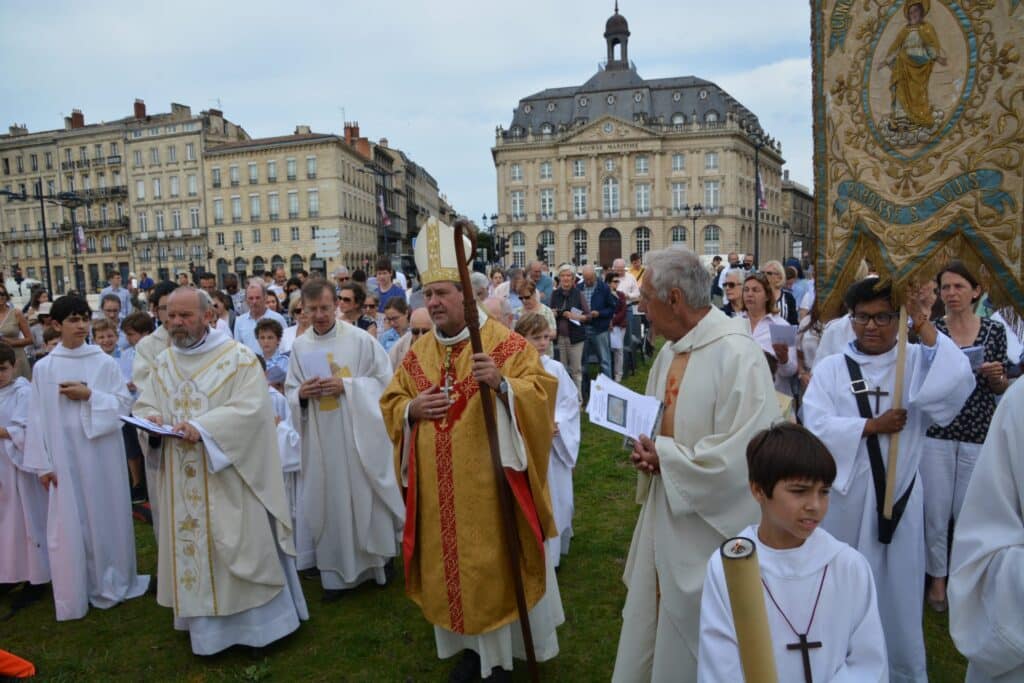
918 141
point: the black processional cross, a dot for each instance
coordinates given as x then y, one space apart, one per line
861 387
805 648
804 645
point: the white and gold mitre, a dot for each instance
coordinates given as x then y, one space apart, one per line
435 252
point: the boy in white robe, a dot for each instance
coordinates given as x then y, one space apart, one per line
986 581
289 443
350 501
23 557
565 444
74 444
937 382
814 586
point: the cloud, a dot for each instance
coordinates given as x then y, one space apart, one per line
433 78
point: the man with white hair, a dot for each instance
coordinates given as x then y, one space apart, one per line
693 472
627 283
245 324
480 285
226 553
500 310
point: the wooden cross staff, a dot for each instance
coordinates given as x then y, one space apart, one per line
508 517
897 403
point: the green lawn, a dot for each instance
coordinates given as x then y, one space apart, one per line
376 634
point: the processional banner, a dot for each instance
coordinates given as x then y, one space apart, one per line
918 141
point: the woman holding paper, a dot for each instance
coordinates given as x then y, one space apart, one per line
950 452
785 302
775 335
571 310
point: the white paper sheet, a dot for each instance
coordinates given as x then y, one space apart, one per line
575 311
783 334
315 364
150 427
622 410
976 355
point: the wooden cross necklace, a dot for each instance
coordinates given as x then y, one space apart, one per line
804 646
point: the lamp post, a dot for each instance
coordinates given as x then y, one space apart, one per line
693 213
68 199
71 201
758 139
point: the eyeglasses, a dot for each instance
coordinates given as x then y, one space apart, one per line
772 273
729 285
343 279
296 311
416 331
368 307
881 319
346 299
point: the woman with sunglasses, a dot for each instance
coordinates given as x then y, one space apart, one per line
301 319
785 302
352 301
222 306
759 308
15 332
732 286
531 304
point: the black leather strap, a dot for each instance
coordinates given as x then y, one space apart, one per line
886 527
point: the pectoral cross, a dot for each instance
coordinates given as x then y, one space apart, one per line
447 388
878 394
805 652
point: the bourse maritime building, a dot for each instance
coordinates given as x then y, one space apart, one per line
620 164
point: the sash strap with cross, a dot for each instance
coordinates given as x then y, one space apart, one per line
886 527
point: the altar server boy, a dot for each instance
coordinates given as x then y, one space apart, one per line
819 593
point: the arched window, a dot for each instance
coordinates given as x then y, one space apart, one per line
642 239
546 239
240 265
678 120
547 129
276 261
518 249
679 234
579 246
296 263
258 265
610 196
711 117
712 236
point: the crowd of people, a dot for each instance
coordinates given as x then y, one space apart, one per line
259 411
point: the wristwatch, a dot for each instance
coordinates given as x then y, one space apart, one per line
503 386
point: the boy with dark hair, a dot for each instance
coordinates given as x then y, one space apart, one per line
819 592
23 502
268 336
849 406
74 444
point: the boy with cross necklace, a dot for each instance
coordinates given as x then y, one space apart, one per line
849 406
819 592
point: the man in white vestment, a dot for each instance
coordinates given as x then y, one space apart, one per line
693 473
349 500
986 581
23 502
225 552
937 381
73 442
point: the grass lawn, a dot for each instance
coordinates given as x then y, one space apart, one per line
376 634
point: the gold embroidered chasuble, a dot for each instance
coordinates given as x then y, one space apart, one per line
455 561
217 553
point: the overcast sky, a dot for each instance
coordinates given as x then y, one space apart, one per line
435 78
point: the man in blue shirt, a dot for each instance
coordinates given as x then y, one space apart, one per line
122 293
245 324
602 307
386 288
542 281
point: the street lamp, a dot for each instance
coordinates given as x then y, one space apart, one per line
380 186
693 213
759 139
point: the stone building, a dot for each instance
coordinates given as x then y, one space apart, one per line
798 218
622 164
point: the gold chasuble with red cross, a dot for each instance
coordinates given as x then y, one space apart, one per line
456 565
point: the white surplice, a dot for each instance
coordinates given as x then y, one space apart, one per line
349 497
986 582
936 384
23 500
845 620
700 498
226 551
289 447
89 531
835 337
146 351
565 447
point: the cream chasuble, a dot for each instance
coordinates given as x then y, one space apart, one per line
700 497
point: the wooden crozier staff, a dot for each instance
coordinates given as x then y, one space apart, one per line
897 403
504 492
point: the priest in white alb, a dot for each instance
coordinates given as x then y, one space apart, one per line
349 500
73 442
225 556
986 581
848 405
714 382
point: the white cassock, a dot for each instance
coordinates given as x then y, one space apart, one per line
289 447
700 498
146 351
986 582
936 383
835 337
845 618
349 497
89 529
23 500
565 447
225 556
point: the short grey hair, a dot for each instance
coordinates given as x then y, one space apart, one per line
480 283
257 283
679 268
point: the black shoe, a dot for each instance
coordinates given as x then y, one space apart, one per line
151 588
499 675
467 669
309 573
138 494
331 596
389 571
29 594
6 588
